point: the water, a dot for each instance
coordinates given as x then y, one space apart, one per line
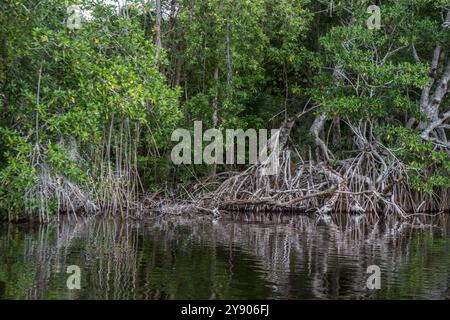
234 257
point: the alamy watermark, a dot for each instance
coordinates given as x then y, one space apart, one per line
222 150
374 280
74 17
74 280
374 21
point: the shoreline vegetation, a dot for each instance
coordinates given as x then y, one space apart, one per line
87 113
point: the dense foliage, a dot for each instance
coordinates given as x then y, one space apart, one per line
87 113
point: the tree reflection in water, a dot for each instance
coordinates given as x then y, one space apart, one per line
237 256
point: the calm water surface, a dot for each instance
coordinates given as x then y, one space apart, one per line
234 257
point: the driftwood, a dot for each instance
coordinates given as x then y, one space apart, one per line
278 204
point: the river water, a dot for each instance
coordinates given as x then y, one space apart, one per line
234 257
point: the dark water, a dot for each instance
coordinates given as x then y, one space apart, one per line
245 257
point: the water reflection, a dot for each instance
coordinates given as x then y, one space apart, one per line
235 257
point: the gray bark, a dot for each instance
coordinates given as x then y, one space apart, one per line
158 28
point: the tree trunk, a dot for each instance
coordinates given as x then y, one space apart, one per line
316 128
215 115
158 28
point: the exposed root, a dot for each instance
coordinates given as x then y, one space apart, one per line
54 190
364 184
